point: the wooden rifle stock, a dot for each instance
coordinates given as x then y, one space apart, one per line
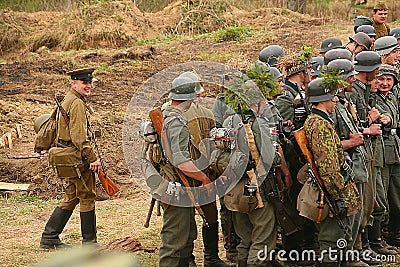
147 222
108 185
157 120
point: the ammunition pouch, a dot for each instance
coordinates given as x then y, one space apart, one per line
67 162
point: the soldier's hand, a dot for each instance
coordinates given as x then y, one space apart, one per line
373 115
288 123
95 166
385 120
374 129
356 139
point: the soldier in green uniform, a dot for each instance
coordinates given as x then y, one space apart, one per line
179 227
255 226
367 64
200 122
379 16
329 156
78 190
293 109
387 79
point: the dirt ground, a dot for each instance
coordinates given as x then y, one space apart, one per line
31 76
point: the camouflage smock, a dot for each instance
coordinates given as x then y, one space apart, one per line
328 153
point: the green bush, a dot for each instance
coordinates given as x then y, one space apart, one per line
233 33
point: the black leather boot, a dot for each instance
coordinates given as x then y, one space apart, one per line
394 232
210 241
375 240
54 227
242 263
88 227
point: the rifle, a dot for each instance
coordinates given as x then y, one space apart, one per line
281 214
157 119
326 197
146 224
108 185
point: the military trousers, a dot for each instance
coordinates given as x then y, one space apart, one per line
177 235
80 190
391 177
257 231
333 241
381 196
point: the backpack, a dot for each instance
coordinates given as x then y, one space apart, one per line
47 134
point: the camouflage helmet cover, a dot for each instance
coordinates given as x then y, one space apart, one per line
386 69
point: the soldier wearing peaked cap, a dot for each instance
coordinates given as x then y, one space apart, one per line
379 16
80 185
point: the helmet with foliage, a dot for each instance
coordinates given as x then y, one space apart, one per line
40 121
182 89
261 74
343 67
271 55
297 62
317 92
196 79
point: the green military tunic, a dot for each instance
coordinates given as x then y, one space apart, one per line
179 227
381 29
391 170
77 135
328 153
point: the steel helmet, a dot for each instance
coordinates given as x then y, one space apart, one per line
344 66
40 121
195 78
395 32
362 20
251 93
276 73
271 55
367 61
367 29
317 92
316 65
386 69
339 53
362 39
182 89
385 45
264 67
330 43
